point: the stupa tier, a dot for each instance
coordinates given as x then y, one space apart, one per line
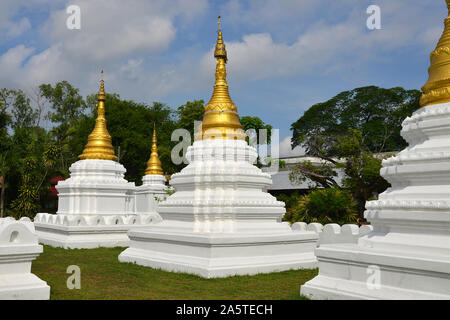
407 255
97 205
221 221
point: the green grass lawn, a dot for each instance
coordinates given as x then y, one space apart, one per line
103 277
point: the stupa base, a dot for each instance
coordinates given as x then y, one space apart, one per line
23 287
348 271
88 232
213 255
79 238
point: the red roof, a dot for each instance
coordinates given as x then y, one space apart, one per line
53 192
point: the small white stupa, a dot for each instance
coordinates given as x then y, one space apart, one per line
96 205
221 221
407 255
153 189
18 248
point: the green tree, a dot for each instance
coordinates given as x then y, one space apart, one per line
66 107
34 172
23 113
290 200
4 145
361 170
25 205
25 141
347 132
5 119
257 124
4 168
376 112
188 113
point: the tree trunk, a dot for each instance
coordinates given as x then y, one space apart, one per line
2 197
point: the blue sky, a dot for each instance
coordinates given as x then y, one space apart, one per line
284 55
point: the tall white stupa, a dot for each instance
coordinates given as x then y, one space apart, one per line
407 256
96 205
220 221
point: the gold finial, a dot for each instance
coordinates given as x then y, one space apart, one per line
221 119
101 93
99 144
154 164
437 88
220 51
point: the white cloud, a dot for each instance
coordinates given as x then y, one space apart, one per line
128 39
287 151
13 26
117 36
7 9
10 64
131 68
113 29
329 47
16 29
14 57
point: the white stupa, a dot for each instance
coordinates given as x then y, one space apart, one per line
153 189
18 248
407 255
96 205
221 221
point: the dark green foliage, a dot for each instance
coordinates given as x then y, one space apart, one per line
257 124
329 205
34 173
5 119
346 131
22 113
361 167
25 205
376 112
66 107
188 113
289 200
4 157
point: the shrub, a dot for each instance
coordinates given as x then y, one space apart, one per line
329 205
289 200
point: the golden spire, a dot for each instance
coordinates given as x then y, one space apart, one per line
437 88
99 144
221 119
154 164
